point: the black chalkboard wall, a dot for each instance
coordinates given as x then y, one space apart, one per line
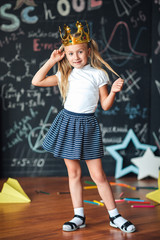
128 34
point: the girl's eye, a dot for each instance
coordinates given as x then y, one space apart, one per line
70 54
80 51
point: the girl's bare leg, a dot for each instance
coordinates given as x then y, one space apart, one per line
99 177
75 185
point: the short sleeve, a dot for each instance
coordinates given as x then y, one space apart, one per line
102 78
58 74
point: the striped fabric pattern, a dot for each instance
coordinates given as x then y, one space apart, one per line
74 136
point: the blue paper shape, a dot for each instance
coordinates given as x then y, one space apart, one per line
119 170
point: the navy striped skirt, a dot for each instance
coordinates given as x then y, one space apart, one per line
74 136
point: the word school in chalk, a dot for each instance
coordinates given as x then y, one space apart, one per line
63 8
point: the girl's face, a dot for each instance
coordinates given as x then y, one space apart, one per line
78 54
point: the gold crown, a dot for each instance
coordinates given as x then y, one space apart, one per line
79 37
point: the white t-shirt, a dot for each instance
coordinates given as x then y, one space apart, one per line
83 91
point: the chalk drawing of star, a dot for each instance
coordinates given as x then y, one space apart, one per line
148 165
19 3
119 170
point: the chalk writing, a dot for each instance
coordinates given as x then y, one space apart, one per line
4 68
39 33
130 87
125 7
29 33
135 20
15 22
26 162
13 98
13 37
131 81
134 112
114 129
48 13
41 46
157 142
141 131
120 55
19 63
109 134
157 50
36 135
111 112
19 131
157 85
64 7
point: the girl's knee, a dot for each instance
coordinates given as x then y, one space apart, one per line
74 174
99 178
96 171
74 169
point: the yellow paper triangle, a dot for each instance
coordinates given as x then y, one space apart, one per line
155 195
13 192
159 180
5 198
15 184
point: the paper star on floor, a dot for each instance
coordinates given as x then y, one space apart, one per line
119 172
148 165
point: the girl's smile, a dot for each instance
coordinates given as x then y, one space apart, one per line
78 54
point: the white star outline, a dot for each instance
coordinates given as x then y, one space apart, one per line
119 170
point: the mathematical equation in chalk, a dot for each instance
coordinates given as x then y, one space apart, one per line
13 98
26 162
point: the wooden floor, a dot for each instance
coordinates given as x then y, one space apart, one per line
42 219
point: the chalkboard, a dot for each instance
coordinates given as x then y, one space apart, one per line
155 83
28 35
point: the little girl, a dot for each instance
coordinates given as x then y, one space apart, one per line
75 134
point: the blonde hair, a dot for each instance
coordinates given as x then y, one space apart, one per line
65 68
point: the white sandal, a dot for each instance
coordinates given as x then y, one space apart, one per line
73 226
124 226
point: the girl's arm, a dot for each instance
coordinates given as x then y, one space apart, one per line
106 99
40 78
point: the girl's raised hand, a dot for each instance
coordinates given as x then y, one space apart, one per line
57 55
117 85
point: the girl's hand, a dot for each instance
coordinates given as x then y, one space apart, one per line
57 55
117 85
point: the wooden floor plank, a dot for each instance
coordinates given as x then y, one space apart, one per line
42 219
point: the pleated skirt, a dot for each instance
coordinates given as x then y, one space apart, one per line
74 136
